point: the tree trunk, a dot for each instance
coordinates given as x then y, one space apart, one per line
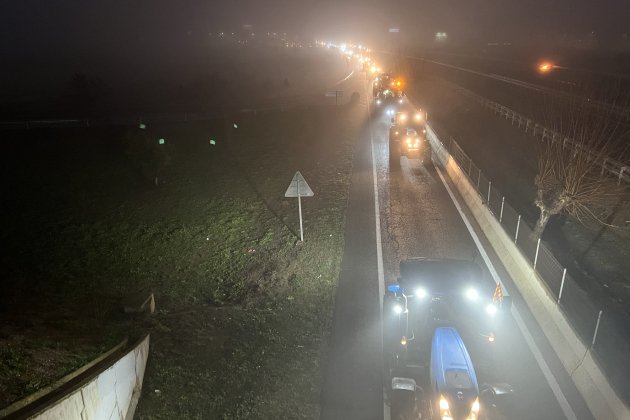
541 223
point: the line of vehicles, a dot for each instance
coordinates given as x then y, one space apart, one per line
438 309
407 133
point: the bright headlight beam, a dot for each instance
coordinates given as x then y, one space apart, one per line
398 309
475 406
421 293
472 294
443 403
491 309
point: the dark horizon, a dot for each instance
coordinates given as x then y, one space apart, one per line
35 28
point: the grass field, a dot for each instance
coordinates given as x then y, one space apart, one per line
243 308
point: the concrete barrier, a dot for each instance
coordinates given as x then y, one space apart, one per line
107 388
574 354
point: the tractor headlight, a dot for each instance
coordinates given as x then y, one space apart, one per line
443 403
445 412
421 293
491 309
474 411
475 406
472 294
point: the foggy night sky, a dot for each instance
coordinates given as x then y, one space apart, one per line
43 27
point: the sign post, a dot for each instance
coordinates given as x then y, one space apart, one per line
336 94
299 188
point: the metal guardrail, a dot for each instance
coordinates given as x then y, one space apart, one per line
602 325
609 165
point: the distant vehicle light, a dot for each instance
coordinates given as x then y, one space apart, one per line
491 338
378 102
403 117
398 309
400 101
472 294
491 309
418 117
403 341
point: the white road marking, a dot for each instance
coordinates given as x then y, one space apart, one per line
379 246
345 78
549 376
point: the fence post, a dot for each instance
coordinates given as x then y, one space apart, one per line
564 276
501 213
518 225
478 177
599 318
469 165
623 168
604 166
537 249
489 187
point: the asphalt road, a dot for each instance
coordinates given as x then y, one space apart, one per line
419 218
352 386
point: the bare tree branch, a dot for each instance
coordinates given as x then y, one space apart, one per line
570 179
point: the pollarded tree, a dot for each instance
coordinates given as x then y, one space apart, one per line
570 177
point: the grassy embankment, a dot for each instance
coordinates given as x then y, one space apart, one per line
243 307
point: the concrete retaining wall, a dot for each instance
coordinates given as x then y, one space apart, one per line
574 354
107 390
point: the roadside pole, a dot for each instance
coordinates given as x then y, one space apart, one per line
299 188
336 94
300 210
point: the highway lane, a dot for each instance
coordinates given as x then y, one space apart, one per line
418 218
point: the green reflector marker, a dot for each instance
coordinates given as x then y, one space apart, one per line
235 126
142 126
212 142
162 141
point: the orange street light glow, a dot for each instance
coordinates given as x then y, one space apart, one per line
545 67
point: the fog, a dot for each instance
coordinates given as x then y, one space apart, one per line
45 43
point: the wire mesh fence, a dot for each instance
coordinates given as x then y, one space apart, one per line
549 269
526 241
605 331
509 219
576 303
494 201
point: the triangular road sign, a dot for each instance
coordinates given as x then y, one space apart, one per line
298 186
